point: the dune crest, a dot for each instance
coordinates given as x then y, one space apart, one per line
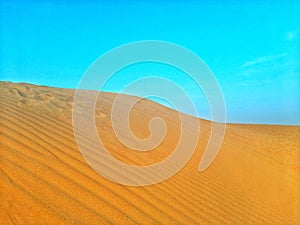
44 179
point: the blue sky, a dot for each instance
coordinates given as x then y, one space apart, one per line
252 47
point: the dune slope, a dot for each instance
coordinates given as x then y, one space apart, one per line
44 179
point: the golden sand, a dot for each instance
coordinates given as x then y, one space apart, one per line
44 179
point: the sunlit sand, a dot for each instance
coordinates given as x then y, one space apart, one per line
44 179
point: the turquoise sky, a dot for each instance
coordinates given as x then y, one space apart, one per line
252 47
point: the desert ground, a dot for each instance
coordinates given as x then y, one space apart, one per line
255 179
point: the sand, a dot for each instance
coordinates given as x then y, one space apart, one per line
44 179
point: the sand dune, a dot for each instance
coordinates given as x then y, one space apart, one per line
44 179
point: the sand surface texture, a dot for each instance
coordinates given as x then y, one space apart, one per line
44 179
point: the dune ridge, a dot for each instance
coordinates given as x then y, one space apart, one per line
255 178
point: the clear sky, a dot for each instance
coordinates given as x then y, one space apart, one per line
252 47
